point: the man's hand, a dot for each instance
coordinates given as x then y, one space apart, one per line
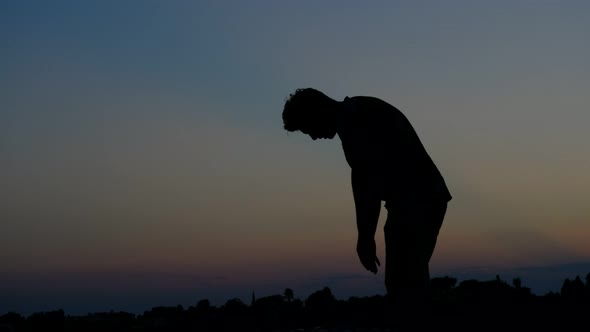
367 252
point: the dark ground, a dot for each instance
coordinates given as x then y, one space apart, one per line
471 305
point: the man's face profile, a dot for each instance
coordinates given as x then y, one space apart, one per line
319 128
316 132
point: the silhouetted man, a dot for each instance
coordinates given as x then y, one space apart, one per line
388 163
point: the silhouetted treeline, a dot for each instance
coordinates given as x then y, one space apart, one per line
471 305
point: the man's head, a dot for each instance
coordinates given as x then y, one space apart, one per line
311 112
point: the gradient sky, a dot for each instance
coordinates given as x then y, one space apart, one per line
143 160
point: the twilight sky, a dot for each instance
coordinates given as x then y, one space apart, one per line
143 160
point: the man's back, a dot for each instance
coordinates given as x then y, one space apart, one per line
379 142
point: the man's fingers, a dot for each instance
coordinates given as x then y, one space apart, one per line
374 268
370 263
371 266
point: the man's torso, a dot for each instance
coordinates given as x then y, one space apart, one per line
379 141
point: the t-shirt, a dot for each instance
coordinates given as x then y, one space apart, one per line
380 143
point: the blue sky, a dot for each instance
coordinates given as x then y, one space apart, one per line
142 143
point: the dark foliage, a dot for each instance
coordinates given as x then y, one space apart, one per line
471 305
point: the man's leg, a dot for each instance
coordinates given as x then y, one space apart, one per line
411 231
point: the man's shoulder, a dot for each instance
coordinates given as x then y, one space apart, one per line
373 109
371 103
366 99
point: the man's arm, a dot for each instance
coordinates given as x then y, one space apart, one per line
368 206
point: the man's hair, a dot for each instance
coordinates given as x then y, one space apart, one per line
303 106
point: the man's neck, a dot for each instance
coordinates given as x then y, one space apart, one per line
344 113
